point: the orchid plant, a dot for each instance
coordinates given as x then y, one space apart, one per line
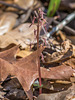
41 22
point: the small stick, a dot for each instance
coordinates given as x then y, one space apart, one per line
61 24
11 5
66 28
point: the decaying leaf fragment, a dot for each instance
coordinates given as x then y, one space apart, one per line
23 35
67 51
23 53
64 95
71 62
34 4
7 22
24 3
58 56
26 70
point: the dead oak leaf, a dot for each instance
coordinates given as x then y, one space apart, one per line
23 53
23 35
7 22
71 62
26 70
7 66
9 55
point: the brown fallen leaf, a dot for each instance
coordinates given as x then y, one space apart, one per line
26 70
69 94
58 56
24 3
59 72
63 82
23 35
72 38
23 53
73 50
9 55
63 37
7 22
71 62
28 4
66 45
67 52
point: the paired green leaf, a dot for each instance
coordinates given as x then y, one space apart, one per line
53 6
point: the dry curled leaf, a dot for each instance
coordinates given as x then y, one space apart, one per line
73 50
64 95
26 70
28 4
7 22
72 38
67 52
23 53
23 35
58 56
24 3
71 62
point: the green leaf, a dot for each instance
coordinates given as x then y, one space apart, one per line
53 6
36 84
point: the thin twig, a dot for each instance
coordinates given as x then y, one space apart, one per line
66 28
11 5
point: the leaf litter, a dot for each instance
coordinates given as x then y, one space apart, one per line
20 61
